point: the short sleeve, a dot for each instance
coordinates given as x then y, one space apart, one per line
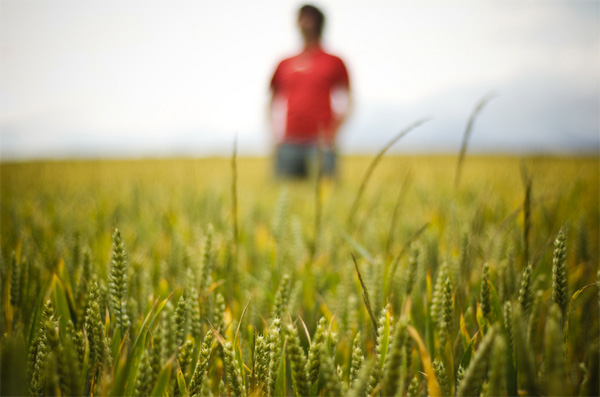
341 75
276 79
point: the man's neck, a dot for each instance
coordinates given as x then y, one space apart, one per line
312 45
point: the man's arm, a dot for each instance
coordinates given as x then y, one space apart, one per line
274 109
341 105
276 116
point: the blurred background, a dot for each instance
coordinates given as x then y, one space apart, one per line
161 78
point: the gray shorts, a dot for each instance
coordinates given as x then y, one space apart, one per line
300 161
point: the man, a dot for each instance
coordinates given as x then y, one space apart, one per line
303 87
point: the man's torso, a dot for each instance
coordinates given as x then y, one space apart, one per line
306 81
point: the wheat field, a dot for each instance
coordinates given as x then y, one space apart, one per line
189 277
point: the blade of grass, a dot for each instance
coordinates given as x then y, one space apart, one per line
237 331
405 248
234 195
162 382
433 388
365 296
318 200
372 166
526 212
463 148
573 298
305 329
394 216
361 249
134 357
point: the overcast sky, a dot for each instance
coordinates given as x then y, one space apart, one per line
120 78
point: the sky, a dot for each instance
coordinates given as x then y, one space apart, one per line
159 78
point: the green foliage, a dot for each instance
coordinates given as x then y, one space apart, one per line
476 371
555 355
526 364
497 371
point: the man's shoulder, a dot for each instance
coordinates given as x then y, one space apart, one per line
289 58
332 57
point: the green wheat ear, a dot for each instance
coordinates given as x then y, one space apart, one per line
39 351
394 359
260 365
143 381
282 297
202 365
195 313
381 346
68 362
361 384
186 354
94 328
485 298
118 282
441 376
274 345
232 370
508 326
314 351
358 359
298 362
438 294
207 263
525 293
333 385
15 282
219 313
559 274
414 388
413 265
446 319
181 320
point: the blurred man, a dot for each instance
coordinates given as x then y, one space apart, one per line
310 98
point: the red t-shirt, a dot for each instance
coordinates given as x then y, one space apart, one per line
306 81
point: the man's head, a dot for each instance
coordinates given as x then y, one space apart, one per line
310 21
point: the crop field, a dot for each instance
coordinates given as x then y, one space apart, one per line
190 277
